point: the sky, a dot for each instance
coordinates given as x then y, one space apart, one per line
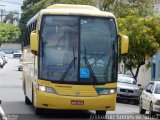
5 4
11 6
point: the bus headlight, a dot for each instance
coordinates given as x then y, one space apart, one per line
46 89
104 91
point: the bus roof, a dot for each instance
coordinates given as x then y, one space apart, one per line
68 6
70 9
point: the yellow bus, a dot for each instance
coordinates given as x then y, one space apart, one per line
70 59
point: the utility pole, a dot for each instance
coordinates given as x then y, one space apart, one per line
2 10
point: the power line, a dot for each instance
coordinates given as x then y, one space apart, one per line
11 2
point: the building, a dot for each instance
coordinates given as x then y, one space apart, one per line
155 67
9 48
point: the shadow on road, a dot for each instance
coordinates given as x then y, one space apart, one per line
127 102
18 110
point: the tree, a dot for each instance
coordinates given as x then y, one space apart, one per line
136 19
143 42
11 17
9 33
120 7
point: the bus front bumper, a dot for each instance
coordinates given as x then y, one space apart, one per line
54 101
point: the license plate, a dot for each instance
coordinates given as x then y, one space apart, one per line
77 102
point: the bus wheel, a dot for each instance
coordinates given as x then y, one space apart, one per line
38 111
27 101
101 113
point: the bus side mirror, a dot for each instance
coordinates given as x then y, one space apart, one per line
124 41
34 41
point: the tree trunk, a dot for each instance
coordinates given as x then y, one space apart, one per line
137 70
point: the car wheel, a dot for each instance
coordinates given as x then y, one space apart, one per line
151 112
141 110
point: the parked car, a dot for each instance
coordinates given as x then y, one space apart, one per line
1 62
128 89
17 53
4 57
150 99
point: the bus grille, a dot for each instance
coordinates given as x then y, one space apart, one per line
77 93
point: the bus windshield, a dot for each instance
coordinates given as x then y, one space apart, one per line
79 50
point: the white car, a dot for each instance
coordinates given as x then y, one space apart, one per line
4 57
1 62
128 89
17 53
150 99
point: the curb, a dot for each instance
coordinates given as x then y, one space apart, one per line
2 114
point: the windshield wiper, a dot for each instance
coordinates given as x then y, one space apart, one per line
69 67
89 66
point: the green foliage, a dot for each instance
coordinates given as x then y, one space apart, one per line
9 33
136 19
123 8
143 42
82 2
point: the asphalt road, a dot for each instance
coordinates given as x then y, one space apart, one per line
13 104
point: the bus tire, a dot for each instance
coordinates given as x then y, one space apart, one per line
38 111
27 101
101 113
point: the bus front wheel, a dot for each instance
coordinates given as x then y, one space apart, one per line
38 111
101 113
27 101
